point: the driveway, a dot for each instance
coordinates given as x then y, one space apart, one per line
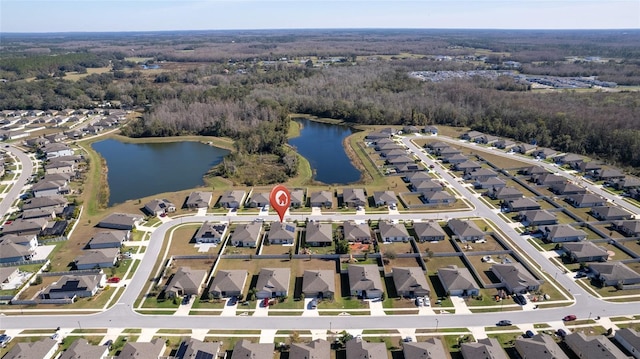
460 305
229 310
375 306
308 312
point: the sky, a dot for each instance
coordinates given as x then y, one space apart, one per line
154 15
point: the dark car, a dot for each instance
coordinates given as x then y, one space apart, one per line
232 301
528 334
561 333
569 318
186 299
520 299
504 323
108 343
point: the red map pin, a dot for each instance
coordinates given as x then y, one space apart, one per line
280 200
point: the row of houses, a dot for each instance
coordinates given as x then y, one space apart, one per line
539 346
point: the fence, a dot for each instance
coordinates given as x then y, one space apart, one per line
52 240
23 263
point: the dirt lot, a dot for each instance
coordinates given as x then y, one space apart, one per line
445 246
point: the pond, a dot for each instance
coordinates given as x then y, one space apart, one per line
321 144
139 170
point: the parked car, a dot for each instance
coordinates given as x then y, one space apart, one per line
504 323
313 304
108 343
419 302
561 333
528 334
232 301
113 280
4 340
265 302
520 299
186 299
55 336
569 318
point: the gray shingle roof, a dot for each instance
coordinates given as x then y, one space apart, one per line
410 279
454 278
319 232
229 281
316 281
364 277
540 346
431 348
390 229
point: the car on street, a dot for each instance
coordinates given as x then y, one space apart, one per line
4 340
520 299
569 318
528 334
504 323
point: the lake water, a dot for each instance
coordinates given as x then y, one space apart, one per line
139 170
321 144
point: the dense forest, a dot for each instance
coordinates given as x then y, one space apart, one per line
242 84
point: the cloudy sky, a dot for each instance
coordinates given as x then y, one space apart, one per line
149 15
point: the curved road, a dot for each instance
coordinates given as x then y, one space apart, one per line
20 182
122 315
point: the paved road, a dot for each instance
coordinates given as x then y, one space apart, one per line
23 178
122 315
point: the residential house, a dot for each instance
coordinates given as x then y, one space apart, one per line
524 148
55 202
143 350
589 168
60 167
282 233
185 281
628 228
228 283
393 232
466 166
81 349
231 199
522 204
354 197
540 346
317 349
259 199
384 142
429 231
585 252
437 197
22 227
586 200
273 283
538 217
630 340
50 187
410 282
364 281
454 158
592 346
47 214
426 186
480 174
197 349
385 198
245 349
354 232
625 183
465 230
11 252
533 171
432 130
570 160
318 234
486 139
108 239
457 281
318 283
397 151
417 176
407 168
97 258
547 179
410 129
53 150
122 221
610 213
563 233
504 193
447 151
374 136
488 348
158 207
321 199
567 188
199 199
297 198
357 348
246 235
491 183
30 241
44 348
437 146
471 135
211 232
543 153
614 274
609 174
504 144
37 142
7 275
515 277
431 348
70 286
